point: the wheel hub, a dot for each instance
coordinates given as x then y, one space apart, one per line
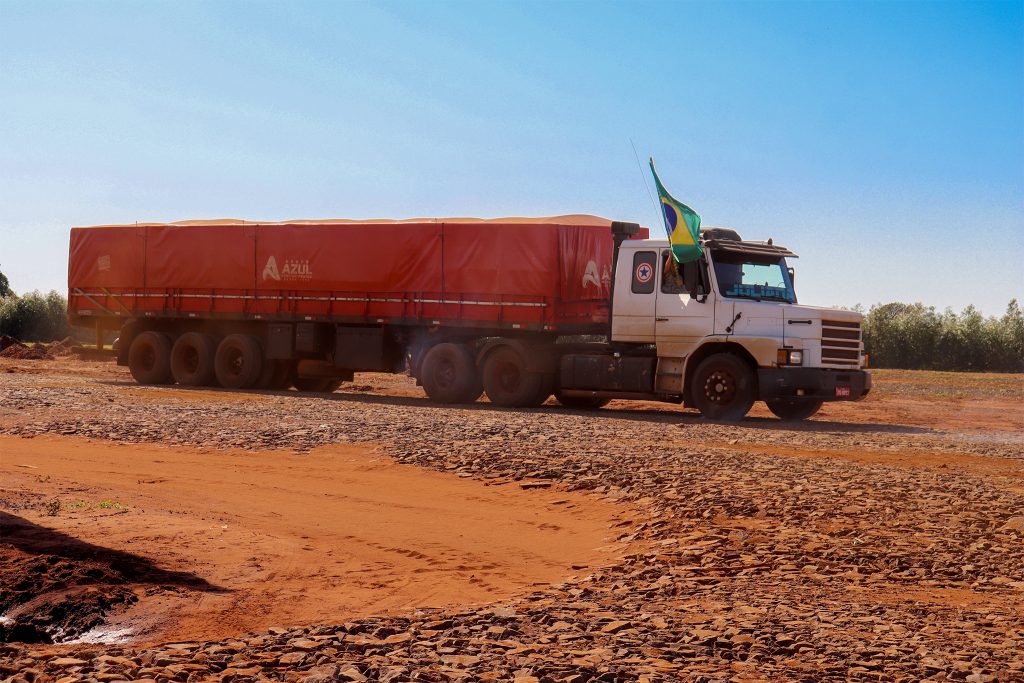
720 387
191 360
235 363
445 374
510 378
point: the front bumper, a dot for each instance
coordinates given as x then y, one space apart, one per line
815 383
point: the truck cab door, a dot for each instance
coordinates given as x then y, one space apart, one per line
681 321
633 300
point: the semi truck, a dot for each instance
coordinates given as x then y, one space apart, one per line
579 307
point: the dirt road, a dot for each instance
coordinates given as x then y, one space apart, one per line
283 538
883 540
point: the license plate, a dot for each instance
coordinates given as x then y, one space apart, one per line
842 391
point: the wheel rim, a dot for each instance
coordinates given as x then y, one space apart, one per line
509 377
190 359
148 357
444 374
720 387
235 362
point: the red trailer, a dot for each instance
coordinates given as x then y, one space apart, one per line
252 304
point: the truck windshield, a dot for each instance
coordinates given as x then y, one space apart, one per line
753 277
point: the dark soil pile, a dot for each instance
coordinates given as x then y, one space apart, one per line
14 349
64 347
19 351
46 598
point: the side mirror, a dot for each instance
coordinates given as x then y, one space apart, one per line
695 276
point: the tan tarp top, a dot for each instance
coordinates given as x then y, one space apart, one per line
571 219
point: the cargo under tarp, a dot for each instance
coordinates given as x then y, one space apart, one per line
521 273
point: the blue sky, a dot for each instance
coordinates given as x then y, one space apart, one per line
883 142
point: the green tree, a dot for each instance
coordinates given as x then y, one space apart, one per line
34 317
916 337
5 287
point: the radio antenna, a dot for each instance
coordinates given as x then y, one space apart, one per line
643 176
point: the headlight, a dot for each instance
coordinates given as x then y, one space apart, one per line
790 357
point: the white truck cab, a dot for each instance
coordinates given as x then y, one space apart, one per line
727 330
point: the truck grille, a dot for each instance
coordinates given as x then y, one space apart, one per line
840 343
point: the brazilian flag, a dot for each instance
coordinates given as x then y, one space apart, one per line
681 222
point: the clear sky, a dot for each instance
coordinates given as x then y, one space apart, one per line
883 142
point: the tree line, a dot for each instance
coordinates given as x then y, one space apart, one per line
896 335
917 337
34 316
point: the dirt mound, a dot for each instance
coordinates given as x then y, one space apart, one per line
19 351
65 347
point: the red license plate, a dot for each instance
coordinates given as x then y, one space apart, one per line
842 391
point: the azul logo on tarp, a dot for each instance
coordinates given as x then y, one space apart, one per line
591 276
293 269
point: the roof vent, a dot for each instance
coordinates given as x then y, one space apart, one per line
625 230
720 234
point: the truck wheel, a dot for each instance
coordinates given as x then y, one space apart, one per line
149 358
508 382
547 387
238 362
316 385
448 374
582 402
270 374
282 379
793 408
333 386
192 359
723 388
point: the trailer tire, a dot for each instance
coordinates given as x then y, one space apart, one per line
508 382
282 379
582 402
192 358
238 362
547 387
724 387
316 385
270 374
149 358
448 374
793 408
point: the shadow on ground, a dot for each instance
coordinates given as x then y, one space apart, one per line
55 587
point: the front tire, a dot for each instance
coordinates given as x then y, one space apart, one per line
724 387
449 375
793 408
149 358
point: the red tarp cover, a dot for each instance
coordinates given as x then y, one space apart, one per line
195 257
454 269
112 257
350 258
